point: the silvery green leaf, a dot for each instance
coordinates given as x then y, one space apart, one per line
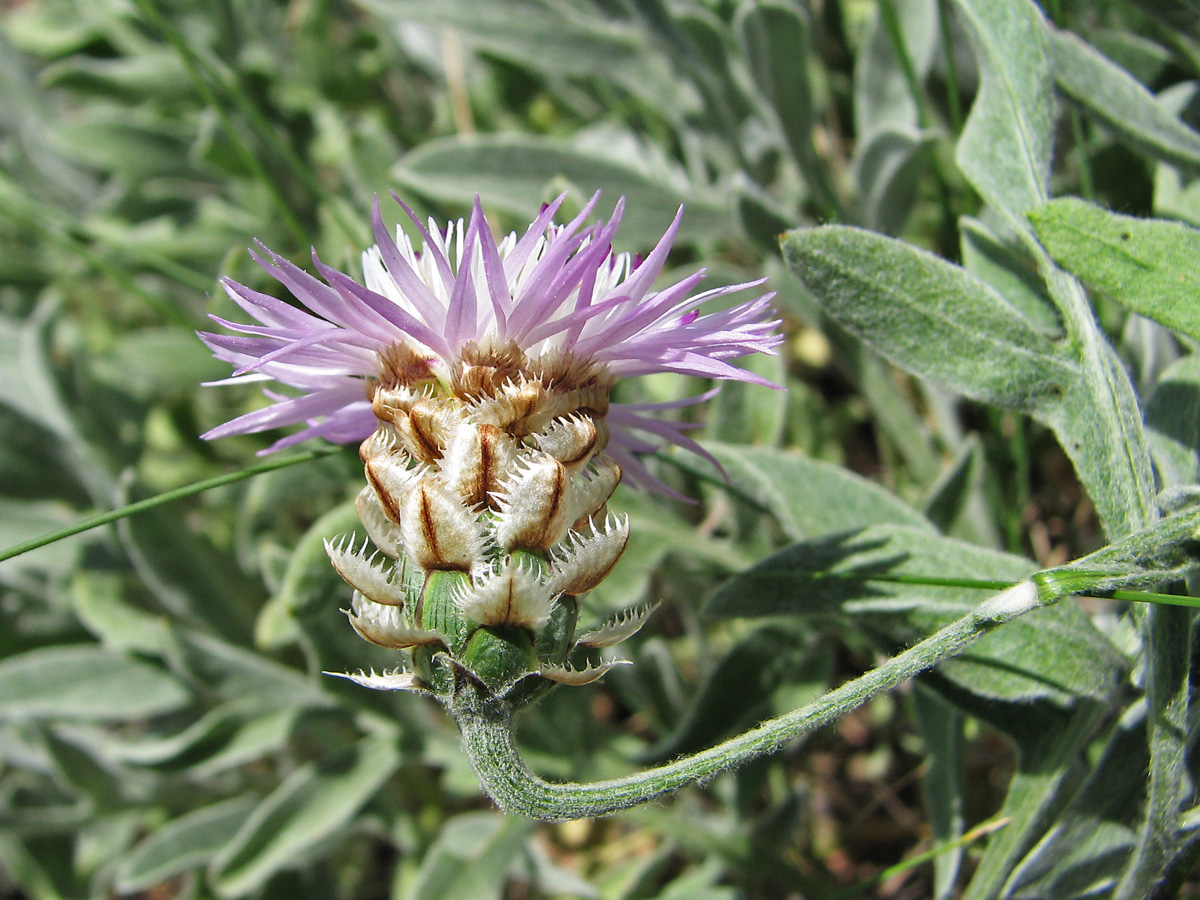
775 41
84 681
1147 265
1009 269
1082 855
1113 96
471 858
238 673
941 728
807 496
229 735
1173 423
930 317
1005 147
882 96
745 413
887 166
185 843
737 691
315 802
513 171
877 578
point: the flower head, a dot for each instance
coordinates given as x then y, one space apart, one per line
556 300
477 376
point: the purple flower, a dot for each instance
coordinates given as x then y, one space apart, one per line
556 292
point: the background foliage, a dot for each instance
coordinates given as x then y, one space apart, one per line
982 382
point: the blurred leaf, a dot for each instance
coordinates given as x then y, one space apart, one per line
237 673
230 735
1173 422
153 73
559 38
883 100
929 317
736 692
134 145
745 413
471 858
775 42
513 172
949 496
887 168
1146 265
185 843
1005 147
310 582
1082 855
1054 653
807 496
187 575
1121 102
84 681
314 803
99 604
660 532
941 729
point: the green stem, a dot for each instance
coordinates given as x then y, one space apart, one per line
486 725
953 102
166 497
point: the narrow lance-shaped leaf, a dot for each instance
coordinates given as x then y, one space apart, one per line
1005 147
929 316
1113 96
1147 265
313 803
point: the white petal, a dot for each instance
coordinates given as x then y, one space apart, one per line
591 490
383 533
533 514
439 531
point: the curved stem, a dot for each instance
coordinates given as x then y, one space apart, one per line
486 724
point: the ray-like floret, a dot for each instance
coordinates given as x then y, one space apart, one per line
553 290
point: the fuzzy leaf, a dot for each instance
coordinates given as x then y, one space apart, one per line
1054 654
1113 96
807 496
928 316
1147 265
84 681
1005 147
313 803
182 844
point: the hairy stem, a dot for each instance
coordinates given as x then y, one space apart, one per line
486 724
